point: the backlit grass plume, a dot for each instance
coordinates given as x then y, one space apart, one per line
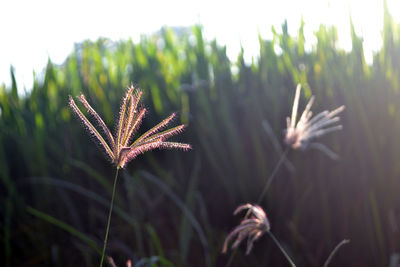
299 135
252 228
119 148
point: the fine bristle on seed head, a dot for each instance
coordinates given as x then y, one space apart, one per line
91 128
130 118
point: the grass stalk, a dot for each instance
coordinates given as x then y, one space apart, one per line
334 251
273 175
281 248
266 187
109 218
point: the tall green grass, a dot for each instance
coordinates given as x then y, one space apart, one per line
54 183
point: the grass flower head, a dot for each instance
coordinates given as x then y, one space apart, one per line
252 227
301 134
119 148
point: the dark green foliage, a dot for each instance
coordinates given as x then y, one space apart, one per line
52 174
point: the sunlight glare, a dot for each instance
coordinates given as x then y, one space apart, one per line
44 29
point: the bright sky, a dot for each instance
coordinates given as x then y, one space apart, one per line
32 31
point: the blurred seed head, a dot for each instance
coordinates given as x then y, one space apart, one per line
112 263
252 227
300 135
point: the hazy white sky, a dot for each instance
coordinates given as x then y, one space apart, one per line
32 31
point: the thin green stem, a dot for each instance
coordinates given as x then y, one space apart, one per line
231 257
338 246
281 248
273 175
109 218
267 185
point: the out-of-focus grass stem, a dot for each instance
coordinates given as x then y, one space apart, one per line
334 251
267 185
273 175
281 248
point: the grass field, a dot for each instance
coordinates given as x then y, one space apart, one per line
175 208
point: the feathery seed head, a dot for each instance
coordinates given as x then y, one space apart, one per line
251 228
118 148
112 263
300 134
